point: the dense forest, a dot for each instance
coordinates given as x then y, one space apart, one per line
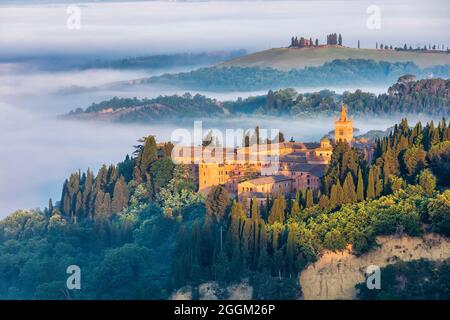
162 108
334 73
139 230
406 96
415 280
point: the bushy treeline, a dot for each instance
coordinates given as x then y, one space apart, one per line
337 72
402 156
118 226
139 230
430 96
406 96
414 280
159 108
396 194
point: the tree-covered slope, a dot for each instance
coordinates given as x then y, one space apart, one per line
139 230
334 73
414 280
295 58
406 96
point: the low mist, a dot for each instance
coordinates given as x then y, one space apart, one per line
39 152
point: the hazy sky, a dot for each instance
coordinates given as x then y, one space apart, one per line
143 27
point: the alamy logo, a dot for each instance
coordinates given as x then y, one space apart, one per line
74 19
374 19
373 280
74 280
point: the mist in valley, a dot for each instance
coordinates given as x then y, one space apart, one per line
39 151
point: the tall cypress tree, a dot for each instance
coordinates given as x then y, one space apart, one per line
217 202
370 185
120 196
360 187
277 211
256 214
147 154
349 195
295 208
309 199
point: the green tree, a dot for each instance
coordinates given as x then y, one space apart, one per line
349 195
360 187
439 160
309 198
414 160
439 212
277 210
120 196
256 212
427 181
147 153
216 202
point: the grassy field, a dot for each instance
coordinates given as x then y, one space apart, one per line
293 58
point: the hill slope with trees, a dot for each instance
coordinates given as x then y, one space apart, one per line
407 96
139 230
334 73
291 58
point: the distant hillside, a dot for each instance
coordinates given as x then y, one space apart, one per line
162 108
335 73
295 58
430 97
165 61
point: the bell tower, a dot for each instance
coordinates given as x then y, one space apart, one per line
343 127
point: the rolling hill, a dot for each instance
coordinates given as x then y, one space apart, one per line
429 96
295 58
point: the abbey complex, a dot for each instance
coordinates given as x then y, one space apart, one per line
257 172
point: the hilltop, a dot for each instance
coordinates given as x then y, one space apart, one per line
297 58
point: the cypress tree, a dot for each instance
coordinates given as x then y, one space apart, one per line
236 263
217 202
370 185
334 197
237 219
324 202
309 199
277 211
87 190
378 183
147 154
256 214
120 196
295 208
349 195
339 194
427 181
360 187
